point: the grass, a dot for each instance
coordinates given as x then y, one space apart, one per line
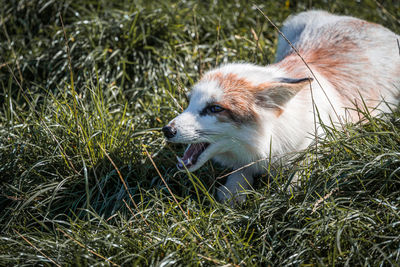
78 127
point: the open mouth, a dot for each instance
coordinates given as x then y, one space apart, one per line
192 153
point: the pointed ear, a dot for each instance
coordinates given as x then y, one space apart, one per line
279 93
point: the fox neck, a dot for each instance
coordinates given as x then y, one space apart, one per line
291 129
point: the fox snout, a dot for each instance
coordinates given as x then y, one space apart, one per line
169 131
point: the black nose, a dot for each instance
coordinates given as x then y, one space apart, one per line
169 131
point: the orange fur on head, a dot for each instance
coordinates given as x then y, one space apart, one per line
241 97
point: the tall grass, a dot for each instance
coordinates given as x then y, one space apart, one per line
81 106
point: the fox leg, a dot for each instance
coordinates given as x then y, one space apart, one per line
233 190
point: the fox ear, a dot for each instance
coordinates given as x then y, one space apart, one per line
279 93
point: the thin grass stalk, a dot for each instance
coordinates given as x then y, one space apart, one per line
88 249
38 250
162 178
72 86
124 183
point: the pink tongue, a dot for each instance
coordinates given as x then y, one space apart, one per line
191 155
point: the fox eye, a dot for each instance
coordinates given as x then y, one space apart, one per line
215 108
211 109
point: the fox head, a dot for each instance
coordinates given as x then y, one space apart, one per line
231 111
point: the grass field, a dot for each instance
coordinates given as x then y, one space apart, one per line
86 177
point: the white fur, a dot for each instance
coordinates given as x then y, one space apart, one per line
372 68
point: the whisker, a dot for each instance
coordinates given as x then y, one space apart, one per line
207 132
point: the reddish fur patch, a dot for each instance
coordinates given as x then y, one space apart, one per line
278 112
340 62
239 97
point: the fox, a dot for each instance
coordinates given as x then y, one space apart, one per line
245 116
